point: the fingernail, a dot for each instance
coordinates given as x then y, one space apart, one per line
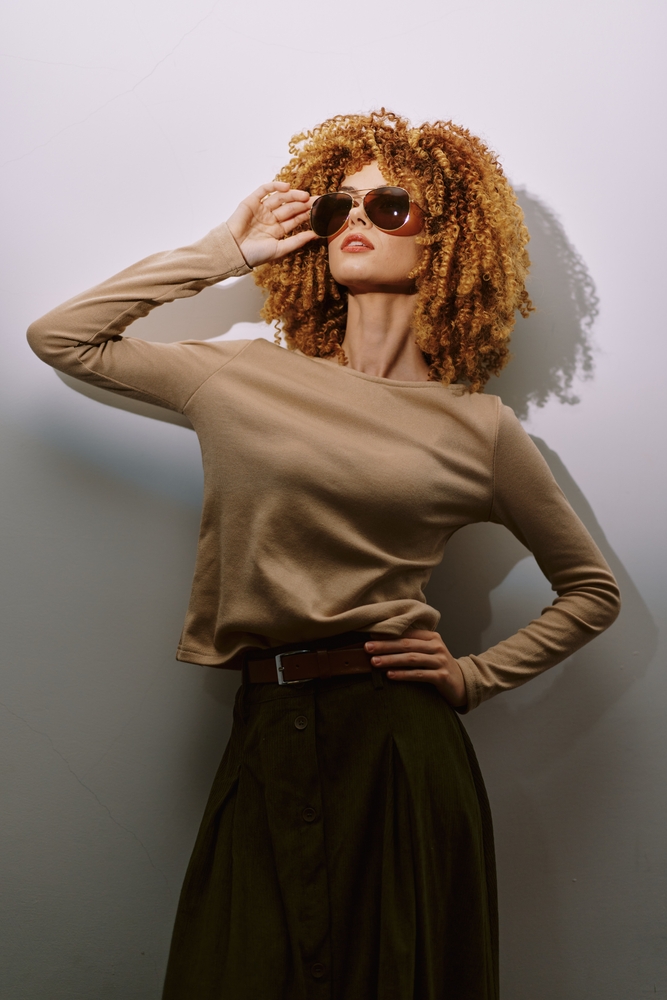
375 659
369 647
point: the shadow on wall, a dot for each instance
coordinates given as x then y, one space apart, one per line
554 346
550 349
542 728
206 316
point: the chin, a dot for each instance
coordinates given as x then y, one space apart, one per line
358 272
375 283
370 269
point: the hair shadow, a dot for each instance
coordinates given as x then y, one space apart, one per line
538 729
523 735
554 347
552 350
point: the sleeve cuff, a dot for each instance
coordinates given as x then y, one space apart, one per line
472 687
224 249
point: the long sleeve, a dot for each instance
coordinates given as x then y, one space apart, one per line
528 501
83 338
294 548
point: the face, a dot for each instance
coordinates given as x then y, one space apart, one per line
362 257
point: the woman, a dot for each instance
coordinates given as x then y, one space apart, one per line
346 849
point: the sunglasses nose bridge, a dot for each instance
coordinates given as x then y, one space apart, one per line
358 212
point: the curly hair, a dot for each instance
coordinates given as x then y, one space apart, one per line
471 275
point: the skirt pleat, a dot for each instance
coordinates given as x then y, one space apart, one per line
346 853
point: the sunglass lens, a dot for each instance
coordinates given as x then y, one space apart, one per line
387 207
329 213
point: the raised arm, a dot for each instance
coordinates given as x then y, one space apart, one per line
83 338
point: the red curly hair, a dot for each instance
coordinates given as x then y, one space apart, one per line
471 275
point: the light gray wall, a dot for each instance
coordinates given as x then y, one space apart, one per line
137 126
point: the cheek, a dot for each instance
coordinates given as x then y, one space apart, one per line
401 254
412 251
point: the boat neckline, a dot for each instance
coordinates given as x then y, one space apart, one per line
420 384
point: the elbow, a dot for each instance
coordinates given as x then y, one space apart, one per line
600 607
37 336
46 343
611 605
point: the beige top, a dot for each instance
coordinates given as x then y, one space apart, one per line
329 495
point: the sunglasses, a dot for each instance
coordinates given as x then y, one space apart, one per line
388 208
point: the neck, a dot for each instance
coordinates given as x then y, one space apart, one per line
378 336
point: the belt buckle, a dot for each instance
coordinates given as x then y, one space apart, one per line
280 669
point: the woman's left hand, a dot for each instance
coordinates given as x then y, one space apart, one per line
420 656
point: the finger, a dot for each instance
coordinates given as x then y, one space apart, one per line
276 199
291 224
401 645
266 189
290 209
292 243
411 660
423 676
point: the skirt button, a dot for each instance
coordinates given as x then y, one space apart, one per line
301 722
317 970
309 814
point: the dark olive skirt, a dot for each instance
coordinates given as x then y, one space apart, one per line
346 853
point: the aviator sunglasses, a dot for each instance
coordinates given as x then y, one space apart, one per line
388 208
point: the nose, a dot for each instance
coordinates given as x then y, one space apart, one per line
358 215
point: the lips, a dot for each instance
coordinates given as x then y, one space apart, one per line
356 243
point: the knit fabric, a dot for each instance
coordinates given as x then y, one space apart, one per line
330 494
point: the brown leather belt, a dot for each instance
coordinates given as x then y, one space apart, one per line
309 664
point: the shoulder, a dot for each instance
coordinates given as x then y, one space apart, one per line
491 410
215 348
483 403
227 349
478 408
212 354
496 423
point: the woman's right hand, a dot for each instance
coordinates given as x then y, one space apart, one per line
263 221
